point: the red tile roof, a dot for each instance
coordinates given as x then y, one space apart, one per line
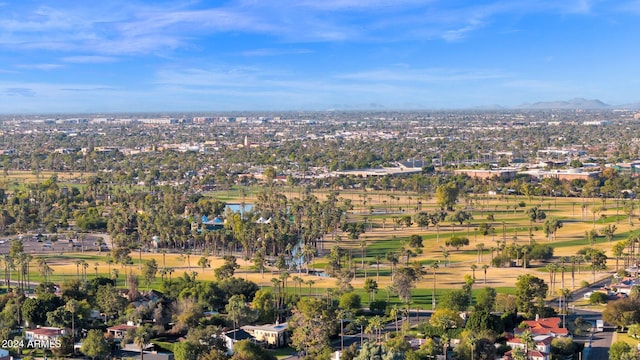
46 331
122 327
544 326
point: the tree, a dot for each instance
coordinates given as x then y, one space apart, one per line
185 350
482 320
620 350
312 324
457 242
371 287
447 195
204 263
95 345
634 331
460 216
263 304
608 231
350 302
65 349
415 241
536 214
238 311
618 250
457 300
597 258
149 271
530 294
486 299
247 350
72 307
446 319
484 269
622 312
141 338
597 298
110 302
551 227
404 281
227 269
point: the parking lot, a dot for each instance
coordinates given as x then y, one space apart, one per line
60 243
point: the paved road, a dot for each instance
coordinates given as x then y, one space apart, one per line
598 344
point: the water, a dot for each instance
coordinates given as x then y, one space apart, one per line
240 208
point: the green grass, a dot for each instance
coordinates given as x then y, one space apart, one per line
420 297
382 247
281 353
167 346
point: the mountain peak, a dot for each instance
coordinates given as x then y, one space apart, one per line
576 103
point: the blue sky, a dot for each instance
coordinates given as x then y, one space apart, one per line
118 56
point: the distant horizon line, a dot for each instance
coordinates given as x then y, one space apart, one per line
573 104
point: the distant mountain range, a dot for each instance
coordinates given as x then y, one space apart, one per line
573 104
577 103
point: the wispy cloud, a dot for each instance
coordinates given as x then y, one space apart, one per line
274 52
89 59
44 67
433 75
115 28
19 91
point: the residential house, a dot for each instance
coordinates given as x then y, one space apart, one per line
233 336
531 355
542 344
44 334
274 335
544 326
118 332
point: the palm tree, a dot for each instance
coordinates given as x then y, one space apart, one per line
78 263
362 322
393 313
393 261
378 258
115 276
484 268
204 263
341 314
445 255
109 262
141 339
444 340
376 324
565 296
308 251
310 283
297 282
434 267
363 254
72 307
164 260
85 266
551 268
473 269
527 339
480 248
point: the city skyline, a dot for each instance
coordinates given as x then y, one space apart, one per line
307 55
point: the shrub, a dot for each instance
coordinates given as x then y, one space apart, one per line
598 298
378 307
